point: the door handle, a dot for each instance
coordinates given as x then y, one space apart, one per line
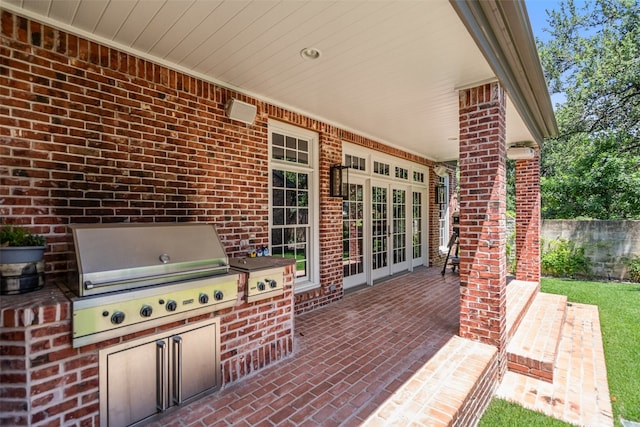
161 380
177 369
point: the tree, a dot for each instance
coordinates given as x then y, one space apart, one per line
592 169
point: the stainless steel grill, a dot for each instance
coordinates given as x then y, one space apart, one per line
129 277
116 257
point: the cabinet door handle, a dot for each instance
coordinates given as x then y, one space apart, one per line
161 386
177 369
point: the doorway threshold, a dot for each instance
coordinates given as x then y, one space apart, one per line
358 288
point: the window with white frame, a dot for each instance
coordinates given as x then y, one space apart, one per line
380 168
443 212
402 173
292 223
355 162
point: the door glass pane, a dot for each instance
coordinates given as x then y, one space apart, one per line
352 231
399 226
417 225
379 226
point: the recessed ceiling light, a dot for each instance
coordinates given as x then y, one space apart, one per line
310 53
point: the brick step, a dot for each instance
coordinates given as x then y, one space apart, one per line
452 389
579 394
520 295
533 348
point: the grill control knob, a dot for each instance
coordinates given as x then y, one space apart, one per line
171 305
218 295
203 298
146 311
273 283
261 286
117 317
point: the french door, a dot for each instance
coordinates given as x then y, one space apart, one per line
390 239
353 235
383 231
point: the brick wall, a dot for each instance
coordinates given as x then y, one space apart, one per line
528 219
44 381
95 135
482 216
254 335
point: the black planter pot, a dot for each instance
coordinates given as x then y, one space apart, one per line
21 269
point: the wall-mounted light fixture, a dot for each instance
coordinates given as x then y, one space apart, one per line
441 171
339 181
520 153
441 194
241 111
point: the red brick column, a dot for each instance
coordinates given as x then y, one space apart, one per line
528 219
482 215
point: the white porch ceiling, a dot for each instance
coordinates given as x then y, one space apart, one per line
389 70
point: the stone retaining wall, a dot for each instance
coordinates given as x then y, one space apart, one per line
608 244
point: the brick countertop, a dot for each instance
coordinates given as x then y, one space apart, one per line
45 305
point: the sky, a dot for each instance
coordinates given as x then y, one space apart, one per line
538 16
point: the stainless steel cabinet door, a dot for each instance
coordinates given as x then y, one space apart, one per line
133 381
194 362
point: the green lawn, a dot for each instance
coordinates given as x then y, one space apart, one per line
619 309
501 413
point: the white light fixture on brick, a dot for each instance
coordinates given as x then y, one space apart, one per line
441 171
240 111
520 153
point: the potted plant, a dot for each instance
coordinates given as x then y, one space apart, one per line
21 260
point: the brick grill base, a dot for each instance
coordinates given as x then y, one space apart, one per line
45 381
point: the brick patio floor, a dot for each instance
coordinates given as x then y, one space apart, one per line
352 356
349 357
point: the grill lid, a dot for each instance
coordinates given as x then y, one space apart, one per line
131 255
